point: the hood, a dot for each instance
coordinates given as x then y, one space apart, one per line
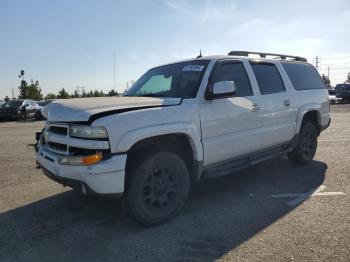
82 109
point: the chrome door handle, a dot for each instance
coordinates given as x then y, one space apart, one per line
286 102
255 108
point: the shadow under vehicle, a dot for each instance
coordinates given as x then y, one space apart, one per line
220 215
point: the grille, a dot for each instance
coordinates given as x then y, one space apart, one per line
57 146
59 130
59 141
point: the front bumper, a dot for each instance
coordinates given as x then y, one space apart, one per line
106 177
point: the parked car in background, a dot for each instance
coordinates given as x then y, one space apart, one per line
333 99
38 115
18 109
343 91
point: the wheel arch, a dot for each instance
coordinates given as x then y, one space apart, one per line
310 114
179 143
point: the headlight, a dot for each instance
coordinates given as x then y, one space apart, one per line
90 132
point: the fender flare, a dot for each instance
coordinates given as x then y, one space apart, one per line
303 110
131 137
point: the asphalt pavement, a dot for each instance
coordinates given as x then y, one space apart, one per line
273 211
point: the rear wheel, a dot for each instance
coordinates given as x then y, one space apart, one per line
158 187
306 147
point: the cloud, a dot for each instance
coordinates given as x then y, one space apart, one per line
90 57
204 11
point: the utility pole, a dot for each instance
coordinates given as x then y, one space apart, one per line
328 71
13 93
317 62
114 72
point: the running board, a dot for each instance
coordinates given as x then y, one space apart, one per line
232 165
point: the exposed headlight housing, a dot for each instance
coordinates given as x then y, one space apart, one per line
89 132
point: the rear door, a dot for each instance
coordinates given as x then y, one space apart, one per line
279 114
231 126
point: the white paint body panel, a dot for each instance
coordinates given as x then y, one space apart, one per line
80 109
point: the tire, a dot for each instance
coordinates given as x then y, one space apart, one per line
21 117
38 116
158 188
306 147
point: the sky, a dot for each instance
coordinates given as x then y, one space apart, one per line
70 43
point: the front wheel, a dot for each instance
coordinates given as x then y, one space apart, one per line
306 147
158 187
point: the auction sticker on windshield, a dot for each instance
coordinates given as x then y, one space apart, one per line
193 68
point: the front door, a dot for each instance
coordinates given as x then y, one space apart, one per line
231 126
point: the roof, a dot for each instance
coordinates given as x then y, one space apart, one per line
244 55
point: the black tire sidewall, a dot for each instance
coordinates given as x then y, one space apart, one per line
297 154
134 194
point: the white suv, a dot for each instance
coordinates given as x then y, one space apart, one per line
182 122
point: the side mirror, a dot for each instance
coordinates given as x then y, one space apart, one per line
222 89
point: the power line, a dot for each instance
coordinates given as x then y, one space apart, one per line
338 57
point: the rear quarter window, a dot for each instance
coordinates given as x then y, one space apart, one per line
303 76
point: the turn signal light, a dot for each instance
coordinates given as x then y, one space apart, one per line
92 159
81 161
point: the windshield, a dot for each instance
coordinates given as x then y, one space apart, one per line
13 103
175 80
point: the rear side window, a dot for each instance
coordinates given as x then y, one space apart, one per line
303 76
268 77
233 71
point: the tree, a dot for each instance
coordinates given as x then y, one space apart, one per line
75 94
96 93
112 93
23 90
326 81
32 91
62 94
348 79
50 96
7 99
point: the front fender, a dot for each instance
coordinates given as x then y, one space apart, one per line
131 137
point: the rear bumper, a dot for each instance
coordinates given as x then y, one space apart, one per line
106 177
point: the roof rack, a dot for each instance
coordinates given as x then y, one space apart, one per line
263 55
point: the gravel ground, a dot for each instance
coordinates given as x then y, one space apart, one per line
242 217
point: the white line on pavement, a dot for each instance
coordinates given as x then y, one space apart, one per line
334 140
300 197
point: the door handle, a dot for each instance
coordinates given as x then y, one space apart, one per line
255 108
286 102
